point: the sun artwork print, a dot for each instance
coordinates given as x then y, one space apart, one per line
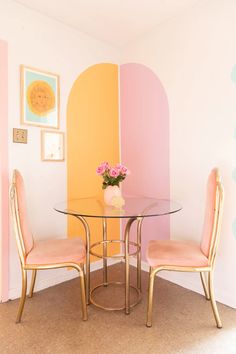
40 98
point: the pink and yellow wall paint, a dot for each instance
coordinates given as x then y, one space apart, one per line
118 114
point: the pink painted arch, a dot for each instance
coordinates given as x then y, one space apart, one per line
144 116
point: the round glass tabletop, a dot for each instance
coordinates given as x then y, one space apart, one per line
134 207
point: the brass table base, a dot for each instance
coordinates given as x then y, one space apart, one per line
138 299
105 243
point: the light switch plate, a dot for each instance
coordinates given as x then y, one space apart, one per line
19 135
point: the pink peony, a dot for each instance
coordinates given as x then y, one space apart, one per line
106 165
101 169
114 172
118 167
124 170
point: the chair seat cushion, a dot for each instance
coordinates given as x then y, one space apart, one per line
175 253
57 251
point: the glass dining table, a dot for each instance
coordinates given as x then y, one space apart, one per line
136 208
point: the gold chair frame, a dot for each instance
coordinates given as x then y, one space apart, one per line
208 270
34 267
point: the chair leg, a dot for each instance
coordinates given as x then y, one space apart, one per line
23 295
150 297
205 286
83 294
33 278
213 302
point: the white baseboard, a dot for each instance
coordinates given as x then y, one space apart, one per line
190 282
46 279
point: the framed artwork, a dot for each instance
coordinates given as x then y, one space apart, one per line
52 146
39 98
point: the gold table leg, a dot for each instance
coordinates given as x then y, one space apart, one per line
87 278
152 274
127 273
140 220
104 231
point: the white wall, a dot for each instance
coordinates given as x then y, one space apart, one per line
40 42
193 55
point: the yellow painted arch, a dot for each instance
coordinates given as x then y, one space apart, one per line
92 137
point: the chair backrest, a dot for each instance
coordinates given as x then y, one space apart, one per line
213 215
22 231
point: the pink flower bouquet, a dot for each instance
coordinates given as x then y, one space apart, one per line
112 175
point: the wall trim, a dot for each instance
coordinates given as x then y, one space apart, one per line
58 277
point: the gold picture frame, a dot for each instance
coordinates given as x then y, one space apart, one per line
52 146
40 98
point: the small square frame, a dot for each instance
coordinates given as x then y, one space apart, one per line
52 146
20 135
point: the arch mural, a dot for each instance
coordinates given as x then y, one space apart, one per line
99 127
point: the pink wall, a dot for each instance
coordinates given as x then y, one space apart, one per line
144 118
4 179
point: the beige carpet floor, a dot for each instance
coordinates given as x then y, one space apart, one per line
182 322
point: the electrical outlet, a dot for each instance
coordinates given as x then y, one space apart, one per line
19 135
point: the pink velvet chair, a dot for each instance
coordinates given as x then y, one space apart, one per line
39 255
186 256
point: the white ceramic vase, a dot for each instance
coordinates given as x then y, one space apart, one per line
110 192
